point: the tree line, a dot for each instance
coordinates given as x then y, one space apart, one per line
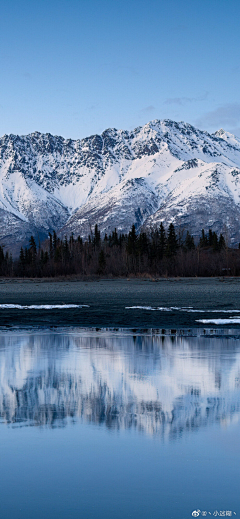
160 252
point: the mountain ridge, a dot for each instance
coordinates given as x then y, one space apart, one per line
163 171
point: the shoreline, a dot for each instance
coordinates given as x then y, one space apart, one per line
95 279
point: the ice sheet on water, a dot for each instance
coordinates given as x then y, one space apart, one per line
230 320
150 308
40 307
181 309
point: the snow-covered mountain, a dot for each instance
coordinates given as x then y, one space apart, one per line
164 171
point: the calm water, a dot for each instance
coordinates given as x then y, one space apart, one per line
104 424
168 303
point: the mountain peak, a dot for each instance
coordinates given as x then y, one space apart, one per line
220 132
230 138
162 171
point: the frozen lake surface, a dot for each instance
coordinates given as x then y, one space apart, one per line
167 303
120 423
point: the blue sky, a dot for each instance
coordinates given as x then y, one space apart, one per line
77 67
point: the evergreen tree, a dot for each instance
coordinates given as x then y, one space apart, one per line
97 236
32 245
54 241
65 248
1 255
32 250
215 244
50 245
27 256
162 240
221 243
22 258
114 238
101 262
189 242
210 238
203 240
132 241
142 244
171 248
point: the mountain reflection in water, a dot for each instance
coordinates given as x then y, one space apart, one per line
164 386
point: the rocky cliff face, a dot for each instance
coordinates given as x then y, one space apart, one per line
163 171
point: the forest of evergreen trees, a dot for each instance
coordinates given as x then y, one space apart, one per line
161 252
